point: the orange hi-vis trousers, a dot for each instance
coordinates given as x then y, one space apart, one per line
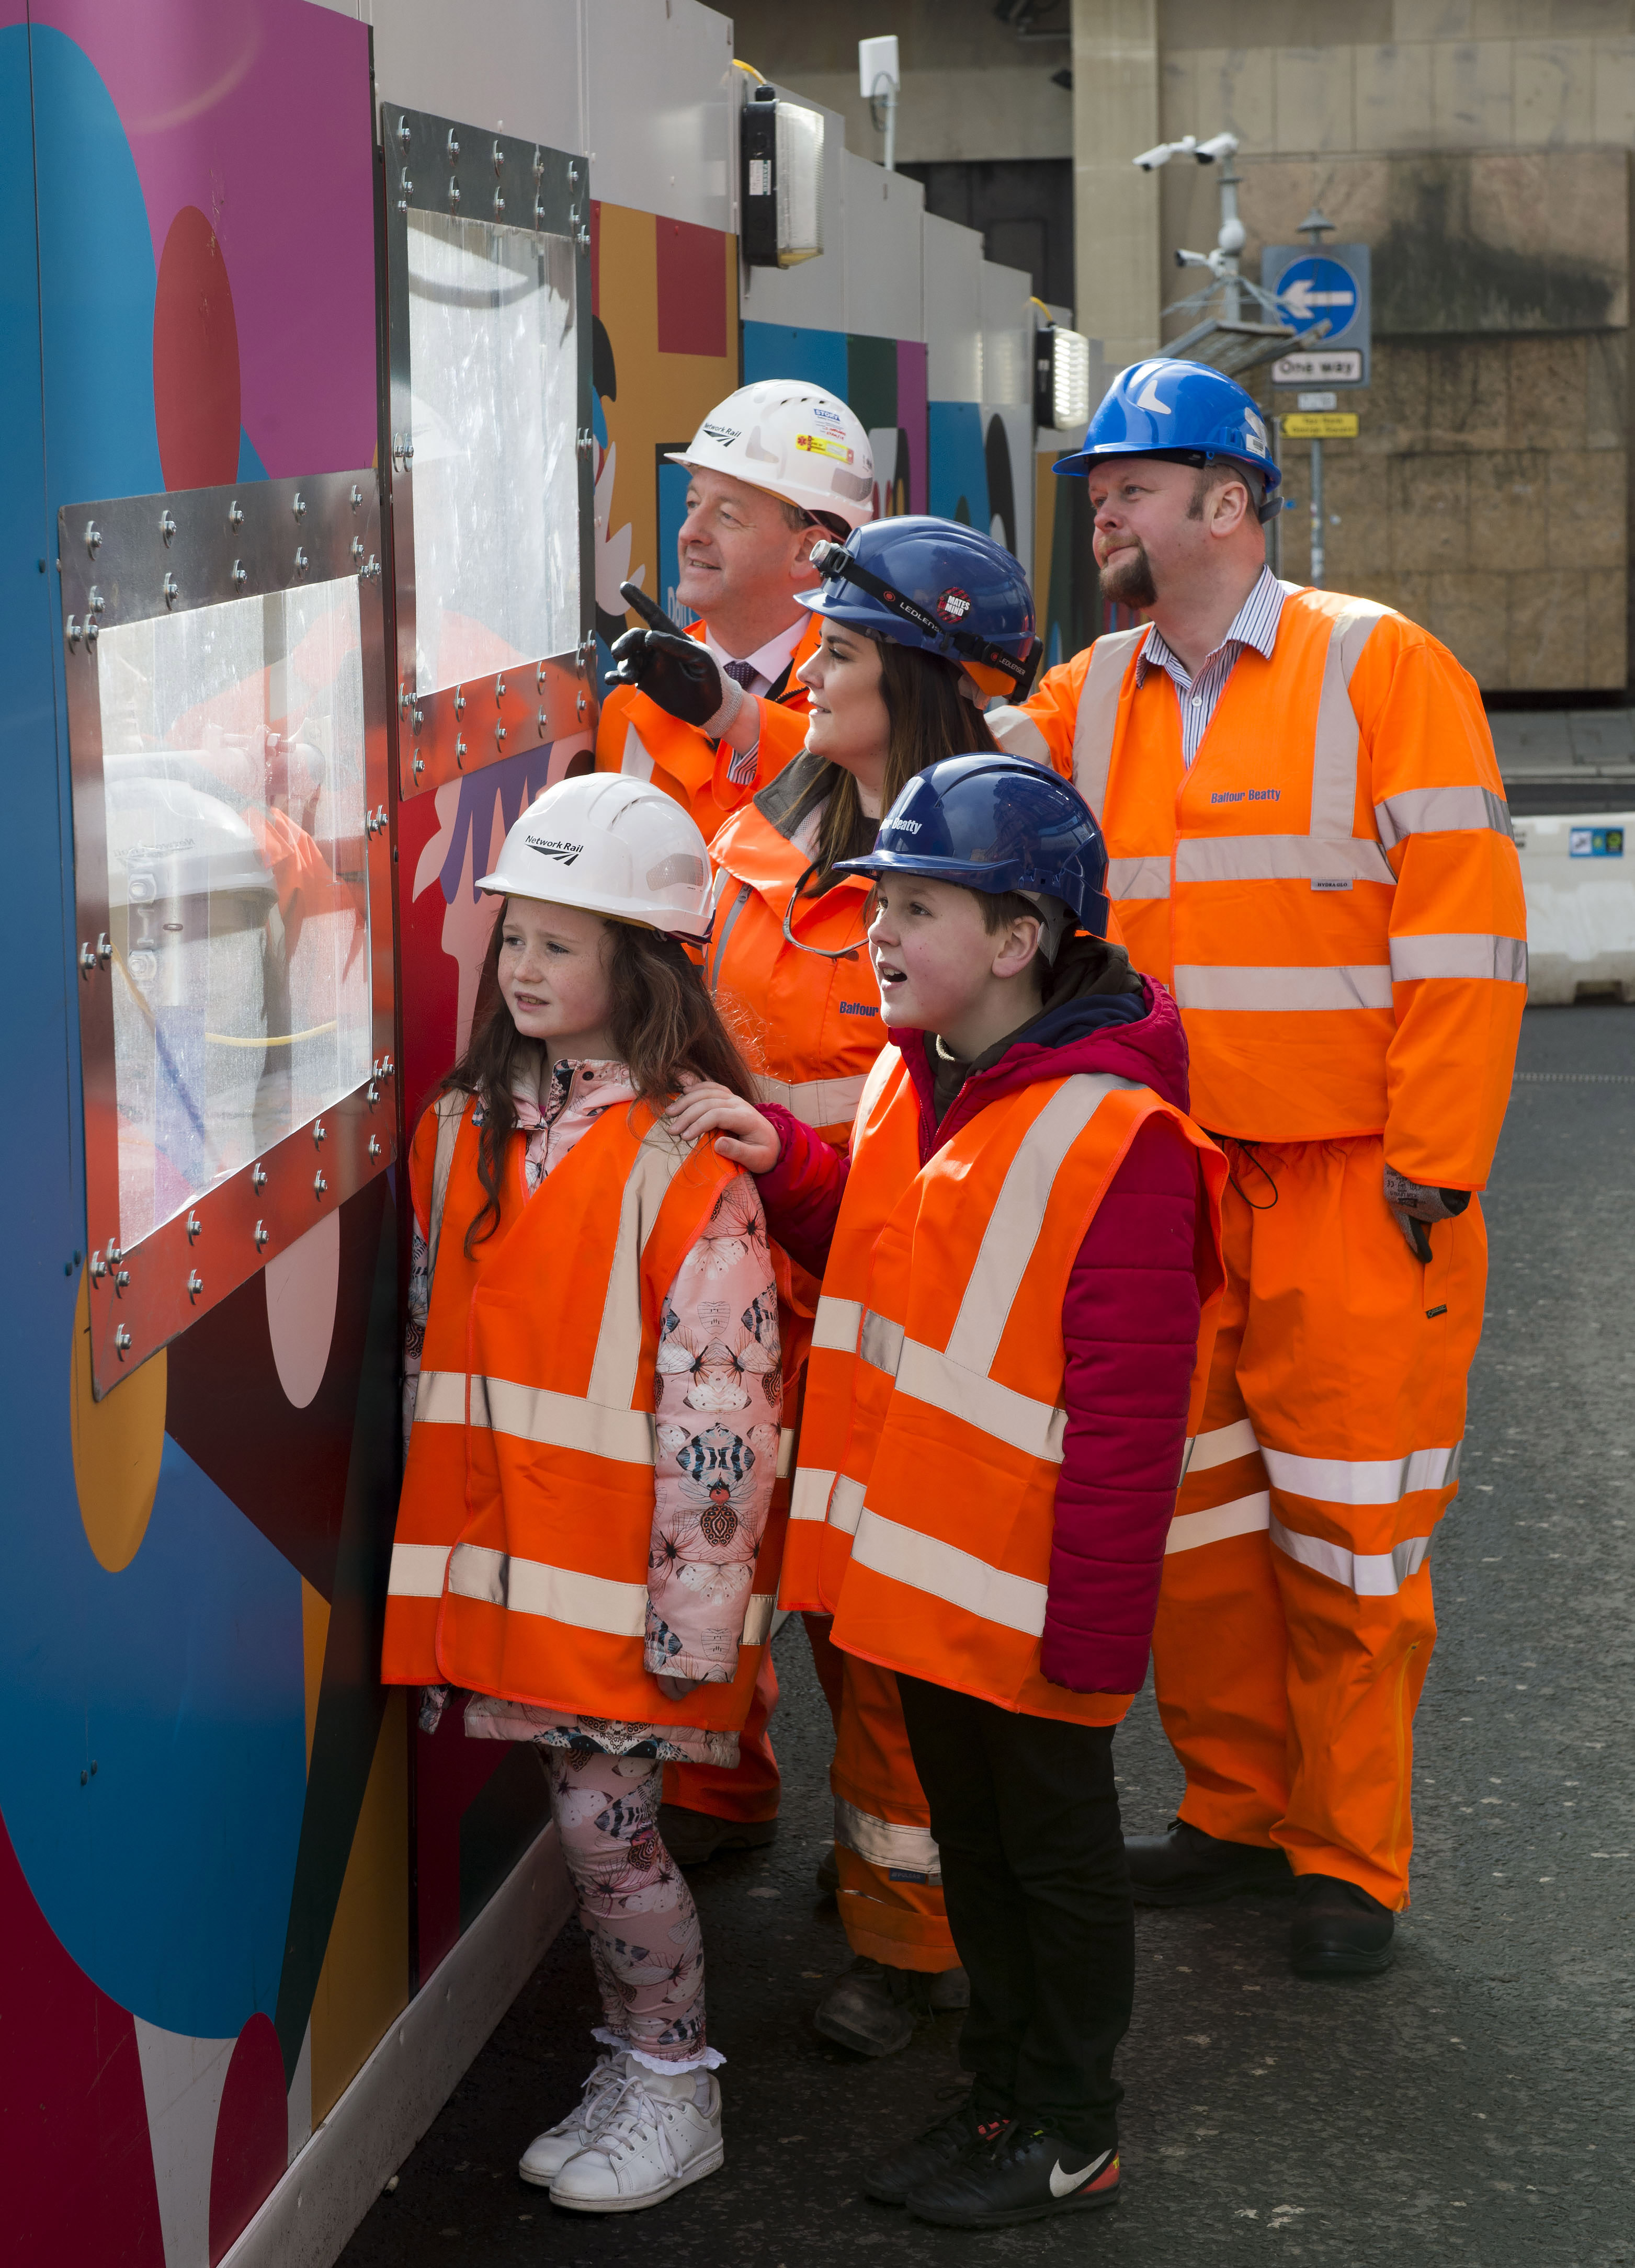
1295 1622
891 1902
749 1793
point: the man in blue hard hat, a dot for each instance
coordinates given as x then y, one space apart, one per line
1308 841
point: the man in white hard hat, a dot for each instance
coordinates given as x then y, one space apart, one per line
775 469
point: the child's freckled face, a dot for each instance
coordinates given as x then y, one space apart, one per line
931 954
552 969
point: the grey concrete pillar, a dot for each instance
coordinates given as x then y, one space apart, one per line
1116 206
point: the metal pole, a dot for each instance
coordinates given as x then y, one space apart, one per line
1229 181
891 127
1316 515
1274 525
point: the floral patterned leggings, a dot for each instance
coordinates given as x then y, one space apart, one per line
637 1909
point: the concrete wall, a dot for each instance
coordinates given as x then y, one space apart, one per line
1481 148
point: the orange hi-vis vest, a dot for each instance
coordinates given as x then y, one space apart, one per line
811 1024
925 1499
1331 892
519 1566
635 736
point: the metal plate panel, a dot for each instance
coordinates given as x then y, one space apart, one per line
953 271
883 215
514 66
663 109
520 189
137 559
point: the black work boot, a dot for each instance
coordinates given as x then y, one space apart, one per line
1024 2172
1339 1930
1183 1866
872 2009
932 2152
693 1838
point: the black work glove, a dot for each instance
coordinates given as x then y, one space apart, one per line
675 672
1418 1207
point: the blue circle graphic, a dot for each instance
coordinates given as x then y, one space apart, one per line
1316 289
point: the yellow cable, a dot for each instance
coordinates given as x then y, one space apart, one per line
750 68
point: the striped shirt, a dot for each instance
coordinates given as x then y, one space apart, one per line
1254 623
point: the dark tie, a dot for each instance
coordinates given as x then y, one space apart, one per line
741 672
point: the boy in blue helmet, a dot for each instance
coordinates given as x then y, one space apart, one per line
1020 1255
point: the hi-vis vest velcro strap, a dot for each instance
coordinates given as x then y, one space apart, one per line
815 1101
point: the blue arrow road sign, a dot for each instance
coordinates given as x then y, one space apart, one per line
1327 287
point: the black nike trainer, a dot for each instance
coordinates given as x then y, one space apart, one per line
1026 2172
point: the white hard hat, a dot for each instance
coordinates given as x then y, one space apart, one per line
793 441
616 846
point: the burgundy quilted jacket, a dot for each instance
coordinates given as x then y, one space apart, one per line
1130 1321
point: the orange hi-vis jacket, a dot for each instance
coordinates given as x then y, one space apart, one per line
519 1566
634 735
1332 891
925 1499
810 1025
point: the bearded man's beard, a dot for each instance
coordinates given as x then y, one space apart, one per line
1127 578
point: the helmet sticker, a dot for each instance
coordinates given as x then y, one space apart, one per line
953 605
726 434
1254 433
1148 398
821 414
824 445
553 849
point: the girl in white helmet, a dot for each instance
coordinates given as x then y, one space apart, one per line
581 1548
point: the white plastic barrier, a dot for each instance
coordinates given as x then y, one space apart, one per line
1579 872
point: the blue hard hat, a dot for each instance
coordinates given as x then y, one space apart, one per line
1169 408
995 823
934 584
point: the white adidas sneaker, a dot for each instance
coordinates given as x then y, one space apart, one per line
548 2153
660 2134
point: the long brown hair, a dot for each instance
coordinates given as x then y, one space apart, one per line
931 718
662 1022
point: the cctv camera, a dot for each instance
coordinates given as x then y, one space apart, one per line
1150 160
1218 145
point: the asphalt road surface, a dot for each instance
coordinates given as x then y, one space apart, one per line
1476 2105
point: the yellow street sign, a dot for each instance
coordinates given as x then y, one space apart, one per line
1321 425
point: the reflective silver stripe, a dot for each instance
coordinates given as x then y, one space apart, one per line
1365 1574
1017 1216
808 1499
1262 990
618 1356
440 1399
417 1570
1281 858
635 763
785 1452
1335 746
1245 1515
1221 1444
758 1618
887 1843
924 1563
880 1342
815 1101
845 1506
1502 959
1018 735
1036 1428
1137 878
567 1421
561 1595
731 922
837 1324
1097 718
1385 1480
1441 811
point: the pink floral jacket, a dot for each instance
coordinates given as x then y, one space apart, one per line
718 1398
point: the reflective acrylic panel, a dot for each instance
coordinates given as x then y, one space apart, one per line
495 362
228 712
234 789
